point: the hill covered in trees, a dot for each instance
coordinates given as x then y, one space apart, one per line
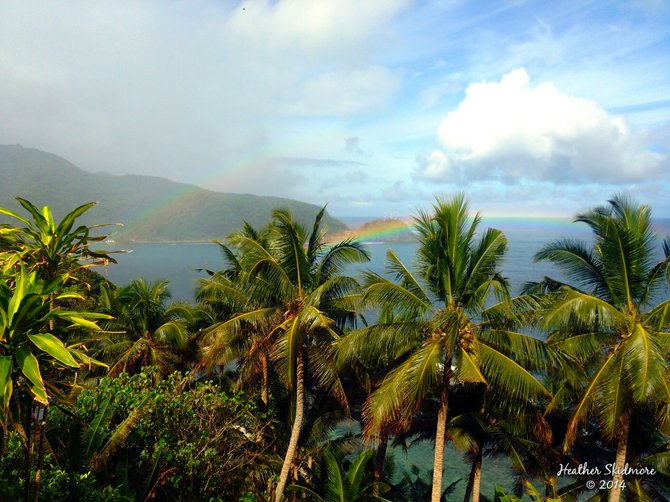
152 209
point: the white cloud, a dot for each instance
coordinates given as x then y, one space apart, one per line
176 89
435 166
344 93
510 131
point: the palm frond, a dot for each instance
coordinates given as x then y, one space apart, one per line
403 390
578 263
382 292
337 257
322 364
588 399
117 437
507 378
381 342
644 358
569 306
530 352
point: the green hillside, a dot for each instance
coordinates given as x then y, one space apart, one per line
152 209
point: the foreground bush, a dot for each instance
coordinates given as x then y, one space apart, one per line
130 438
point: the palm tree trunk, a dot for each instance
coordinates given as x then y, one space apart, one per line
265 397
440 433
620 459
476 485
380 456
474 481
297 425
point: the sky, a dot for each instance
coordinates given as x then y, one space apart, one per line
531 108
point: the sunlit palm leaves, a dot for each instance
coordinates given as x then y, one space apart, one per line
605 323
293 303
435 328
146 331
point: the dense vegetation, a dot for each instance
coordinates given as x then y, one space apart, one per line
113 393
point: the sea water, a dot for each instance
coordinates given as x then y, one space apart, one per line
182 264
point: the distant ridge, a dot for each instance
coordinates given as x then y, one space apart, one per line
152 209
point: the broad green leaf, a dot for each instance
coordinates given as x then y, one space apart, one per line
69 295
31 369
66 223
19 293
5 381
356 472
336 484
54 347
80 321
86 359
98 430
13 215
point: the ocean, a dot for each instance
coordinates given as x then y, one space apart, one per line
179 263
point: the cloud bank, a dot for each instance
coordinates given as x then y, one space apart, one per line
510 131
184 89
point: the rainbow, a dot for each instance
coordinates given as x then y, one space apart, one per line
231 176
377 231
401 228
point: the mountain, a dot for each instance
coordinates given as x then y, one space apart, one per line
152 209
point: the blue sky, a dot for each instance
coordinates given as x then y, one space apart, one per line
529 107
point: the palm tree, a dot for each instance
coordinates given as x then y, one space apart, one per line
151 332
222 295
479 427
607 322
441 330
301 300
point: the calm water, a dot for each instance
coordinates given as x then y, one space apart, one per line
179 264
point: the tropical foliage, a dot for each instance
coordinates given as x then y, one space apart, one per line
438 330
38 261
609 324
145 331
53 249
296 303
291 380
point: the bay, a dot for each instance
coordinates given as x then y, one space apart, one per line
179 262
